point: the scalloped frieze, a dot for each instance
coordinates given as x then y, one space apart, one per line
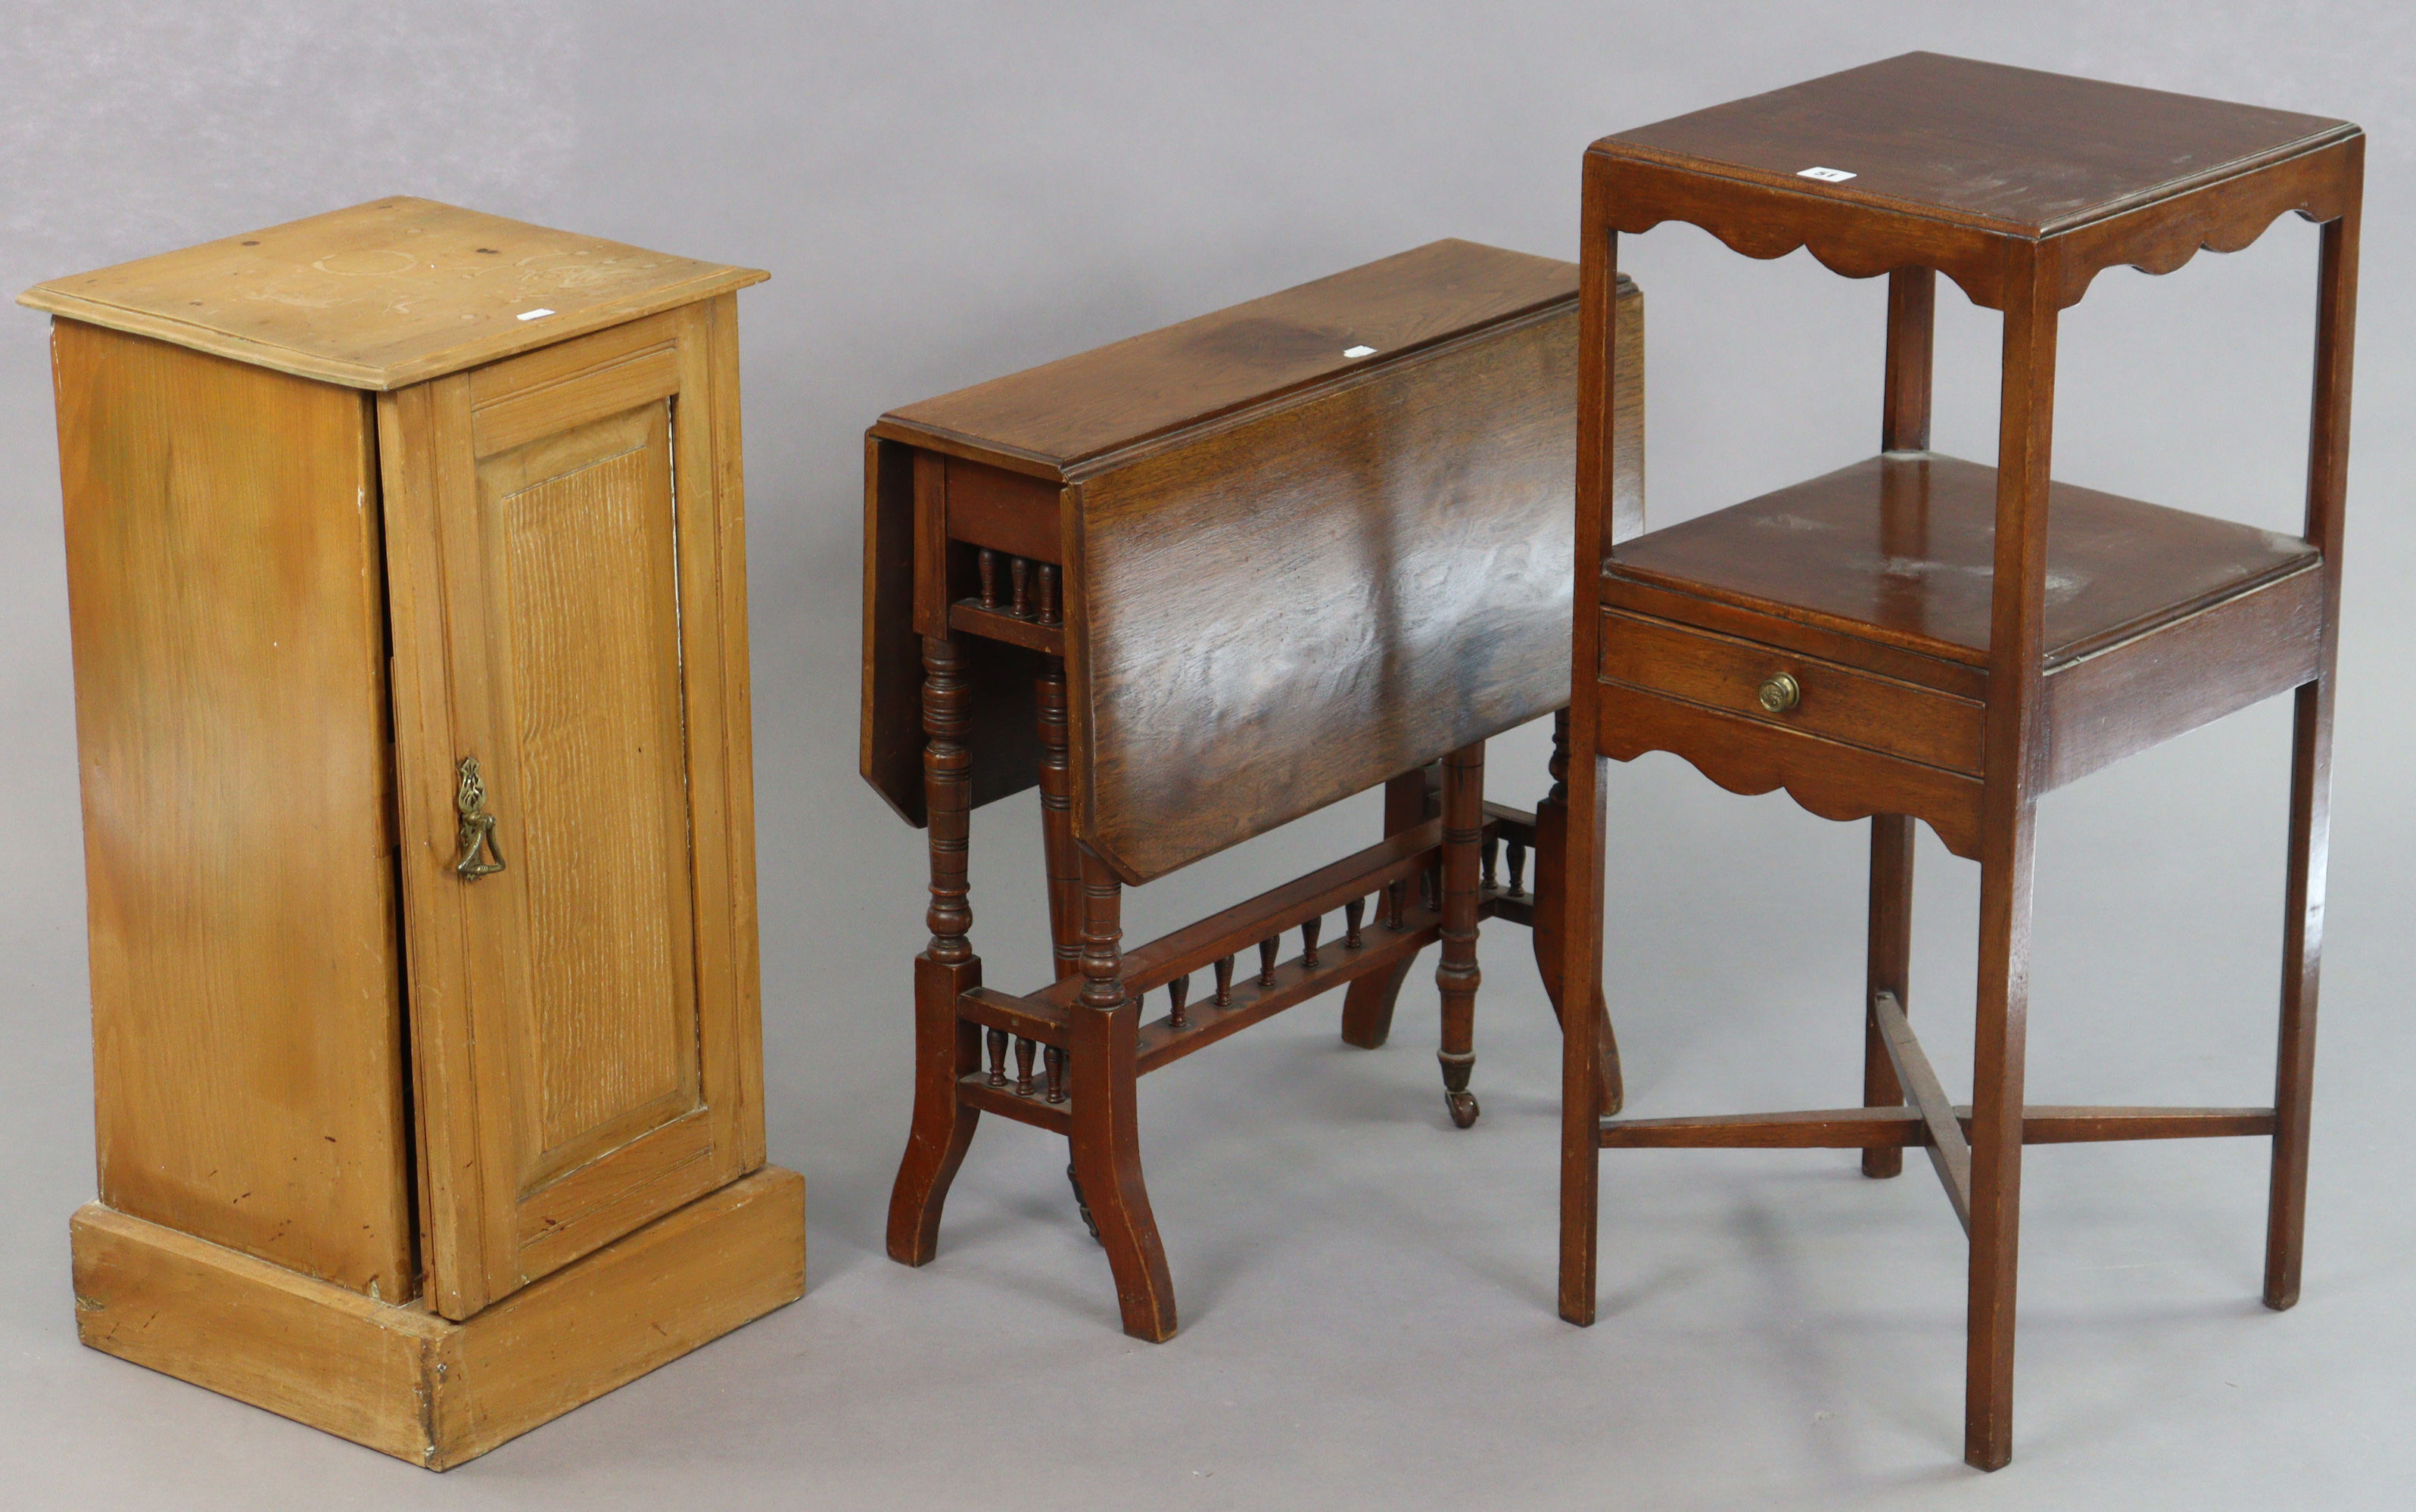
1827 777
1631 196
2221 218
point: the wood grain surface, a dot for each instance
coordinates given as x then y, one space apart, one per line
1838 702
2011 150
1827 552
580 527
1359 582
1989 174
1893 1131
889 730
1829 778
1051 421
227 599
1269 530
409 1384
2152 687
385 294
582 1018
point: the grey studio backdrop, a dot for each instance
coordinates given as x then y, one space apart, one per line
948 193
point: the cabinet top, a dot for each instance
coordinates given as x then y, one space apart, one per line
2003 148
386 294
1049 419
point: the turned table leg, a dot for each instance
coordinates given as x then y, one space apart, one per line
1456 976
1064 858
945 1046
1107 1132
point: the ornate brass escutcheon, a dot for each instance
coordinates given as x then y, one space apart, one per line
1780 693
477 827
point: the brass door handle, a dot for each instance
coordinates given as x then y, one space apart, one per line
477 833
1779 694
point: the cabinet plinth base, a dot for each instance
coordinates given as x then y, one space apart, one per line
417 1386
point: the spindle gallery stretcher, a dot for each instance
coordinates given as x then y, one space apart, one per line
1195 585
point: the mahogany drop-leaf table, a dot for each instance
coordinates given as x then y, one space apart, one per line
1195 585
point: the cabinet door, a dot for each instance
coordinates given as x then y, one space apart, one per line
564 541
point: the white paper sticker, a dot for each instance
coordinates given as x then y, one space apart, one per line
533 314
1826 176
1358 351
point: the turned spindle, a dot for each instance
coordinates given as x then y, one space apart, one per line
989 562
1061 857
1020 570
1309 930
947 788
1049 612
1103 961
1488 852
1224 998
1456 892
1518 887
1023 1049
1267 948
997 1057
1176 990
1394 892
1430 891
1352 911
1055 1059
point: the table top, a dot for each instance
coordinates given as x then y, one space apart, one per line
1981 143
1289 572
386 294
1051 420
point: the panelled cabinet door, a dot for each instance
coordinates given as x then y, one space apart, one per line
565 543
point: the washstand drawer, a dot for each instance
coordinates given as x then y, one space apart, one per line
1782 687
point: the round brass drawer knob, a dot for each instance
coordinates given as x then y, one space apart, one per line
1779 694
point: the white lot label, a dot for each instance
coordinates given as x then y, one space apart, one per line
1826 176
1358 351
533 314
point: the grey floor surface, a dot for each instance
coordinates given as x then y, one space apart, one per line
947 192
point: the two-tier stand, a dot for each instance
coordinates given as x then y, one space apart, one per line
1920 637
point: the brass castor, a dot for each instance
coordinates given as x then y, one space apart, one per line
1455 1096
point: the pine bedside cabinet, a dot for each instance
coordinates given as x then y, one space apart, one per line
405 562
